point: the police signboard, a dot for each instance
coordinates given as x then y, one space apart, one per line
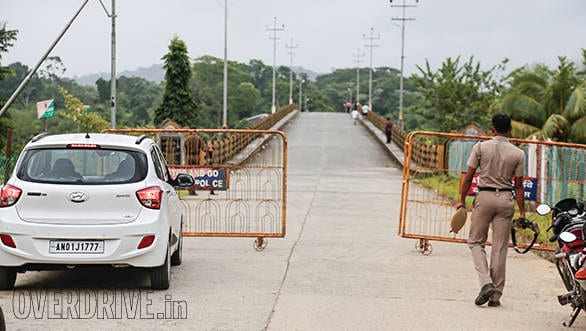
216 179
529 184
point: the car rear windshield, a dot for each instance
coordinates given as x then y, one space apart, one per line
82 166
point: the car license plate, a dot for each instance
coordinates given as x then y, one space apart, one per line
76 246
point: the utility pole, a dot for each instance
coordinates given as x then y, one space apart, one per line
274 29
371 38
402 19
113 70
301 93
225 95
291 54
357 60
113 62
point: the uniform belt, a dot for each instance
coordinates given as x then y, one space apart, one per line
493 189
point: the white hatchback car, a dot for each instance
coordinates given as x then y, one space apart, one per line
91 199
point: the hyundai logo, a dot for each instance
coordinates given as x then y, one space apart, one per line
78 197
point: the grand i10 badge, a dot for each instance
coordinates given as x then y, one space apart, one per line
78 197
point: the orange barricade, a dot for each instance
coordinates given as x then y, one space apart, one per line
241 180
432 176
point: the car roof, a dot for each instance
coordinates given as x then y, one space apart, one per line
102 139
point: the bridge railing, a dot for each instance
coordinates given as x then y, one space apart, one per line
423 153
228 146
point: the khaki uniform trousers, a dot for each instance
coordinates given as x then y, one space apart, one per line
496 208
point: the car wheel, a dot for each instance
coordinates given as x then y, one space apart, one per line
177 257
2 321
7 278
161 276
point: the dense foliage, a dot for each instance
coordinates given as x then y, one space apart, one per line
456 94
547 104
7 37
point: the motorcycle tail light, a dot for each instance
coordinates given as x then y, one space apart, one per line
581 277
150 197
581 274
9 195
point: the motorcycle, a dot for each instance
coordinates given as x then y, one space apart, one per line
568 226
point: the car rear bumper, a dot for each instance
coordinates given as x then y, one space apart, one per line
120 244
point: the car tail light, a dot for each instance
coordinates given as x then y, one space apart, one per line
146 241
9 195
150 197
7 240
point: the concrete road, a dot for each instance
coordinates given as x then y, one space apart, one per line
340 267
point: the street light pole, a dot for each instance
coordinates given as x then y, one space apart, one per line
402 19
371 38
357 60
274 29
291 54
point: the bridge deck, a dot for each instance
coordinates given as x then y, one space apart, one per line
341 265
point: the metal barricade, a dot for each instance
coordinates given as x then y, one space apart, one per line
241 180
435 164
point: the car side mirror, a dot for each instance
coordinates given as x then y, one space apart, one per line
183 181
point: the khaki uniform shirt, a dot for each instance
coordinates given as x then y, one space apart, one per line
499 162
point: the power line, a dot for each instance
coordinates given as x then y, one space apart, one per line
274 38
403 19
370 46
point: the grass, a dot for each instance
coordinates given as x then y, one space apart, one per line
444 184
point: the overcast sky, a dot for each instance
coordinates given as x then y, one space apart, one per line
327 32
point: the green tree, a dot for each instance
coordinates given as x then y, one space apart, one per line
178 103
244 101
261 78
79 114
136 99
457 94
7 37
547 103
208 86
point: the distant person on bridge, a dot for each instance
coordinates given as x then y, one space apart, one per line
365 109
354 115
348 105
194 150
388 129
499 162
